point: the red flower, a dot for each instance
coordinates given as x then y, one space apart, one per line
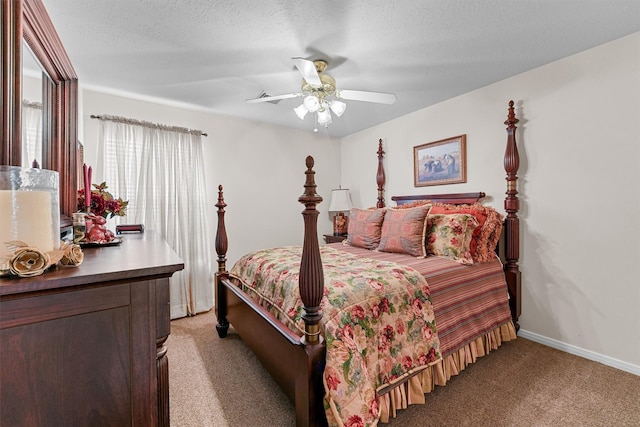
407 362
432 355
102 202
357 312
384 305
331 378
354 421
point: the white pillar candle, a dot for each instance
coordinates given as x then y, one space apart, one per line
26 216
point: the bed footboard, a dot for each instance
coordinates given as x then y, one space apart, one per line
296 363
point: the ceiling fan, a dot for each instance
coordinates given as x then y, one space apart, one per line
321 95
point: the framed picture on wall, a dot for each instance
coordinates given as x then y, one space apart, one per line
440 162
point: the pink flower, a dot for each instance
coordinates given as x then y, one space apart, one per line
292 312
374 408
374 284
417 307
348 338
400 326
339 284
427 333
375 311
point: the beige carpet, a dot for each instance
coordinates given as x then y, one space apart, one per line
218 382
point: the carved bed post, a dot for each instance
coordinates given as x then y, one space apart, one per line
221 249
311 274
380 178
221 233
512 223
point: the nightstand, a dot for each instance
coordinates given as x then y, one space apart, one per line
330 238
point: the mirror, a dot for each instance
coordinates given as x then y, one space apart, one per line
28 21
32 81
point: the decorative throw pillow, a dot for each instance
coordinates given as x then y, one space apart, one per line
364 227
493 226
404 231
483 241
449 236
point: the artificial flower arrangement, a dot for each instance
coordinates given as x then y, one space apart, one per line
101 206
28 261
102 202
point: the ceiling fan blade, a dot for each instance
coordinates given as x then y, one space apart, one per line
267 98
308 70
361 95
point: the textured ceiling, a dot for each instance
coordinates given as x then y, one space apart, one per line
215 54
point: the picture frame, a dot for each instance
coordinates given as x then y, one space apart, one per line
440 162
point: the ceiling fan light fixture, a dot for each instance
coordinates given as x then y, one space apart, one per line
338 107
320 95
324 116
301 111
312 103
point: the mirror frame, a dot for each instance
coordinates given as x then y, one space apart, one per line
28 20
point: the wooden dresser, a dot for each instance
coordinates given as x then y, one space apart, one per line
84 346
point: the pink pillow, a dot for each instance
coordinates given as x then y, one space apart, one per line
364 227
404 231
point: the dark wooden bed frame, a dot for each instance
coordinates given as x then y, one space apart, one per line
297 363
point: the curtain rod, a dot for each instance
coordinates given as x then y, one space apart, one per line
147 124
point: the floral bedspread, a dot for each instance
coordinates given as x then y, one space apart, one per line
378 322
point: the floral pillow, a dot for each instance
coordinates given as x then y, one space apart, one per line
404 231
449 236
485 236
364 227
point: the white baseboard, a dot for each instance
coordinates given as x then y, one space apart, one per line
581 352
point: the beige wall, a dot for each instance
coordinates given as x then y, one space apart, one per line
579 142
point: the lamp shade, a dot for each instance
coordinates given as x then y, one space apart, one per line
324 116
312 103
340 200
338 107
301 111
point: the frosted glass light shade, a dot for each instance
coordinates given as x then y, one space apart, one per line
301 111
324 116
338 107
312 103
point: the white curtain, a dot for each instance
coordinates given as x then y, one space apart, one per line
31 133
160 171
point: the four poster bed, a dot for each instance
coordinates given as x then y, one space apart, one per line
354 331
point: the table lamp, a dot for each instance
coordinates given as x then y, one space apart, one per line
340 204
